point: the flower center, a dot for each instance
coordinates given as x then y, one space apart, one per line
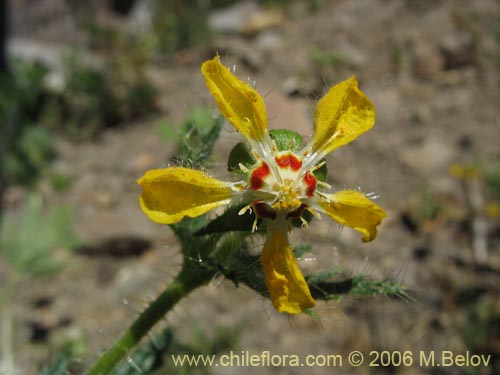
286 181
287 198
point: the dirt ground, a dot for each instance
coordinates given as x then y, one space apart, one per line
432 70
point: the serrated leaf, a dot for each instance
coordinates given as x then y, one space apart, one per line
365 287
323 275
328 290
198 142
203 119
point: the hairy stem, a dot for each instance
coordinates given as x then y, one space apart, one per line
190 278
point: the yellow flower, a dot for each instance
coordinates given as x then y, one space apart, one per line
280 186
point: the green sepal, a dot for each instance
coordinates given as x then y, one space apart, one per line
286 140
240 154
321 173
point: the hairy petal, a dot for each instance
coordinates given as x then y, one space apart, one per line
287 287
240 104
354 209
342 115
169 194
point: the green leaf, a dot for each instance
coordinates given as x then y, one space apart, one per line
323 276
361 285
203 119
197 137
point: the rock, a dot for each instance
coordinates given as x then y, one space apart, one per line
291 86
106 199
240 52
458 51
430 156
260 21
300 86
427 60
142 162
351 55
245 18
269 40
230 20
133 279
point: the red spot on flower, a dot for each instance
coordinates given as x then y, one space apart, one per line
310 182
258 176
288 160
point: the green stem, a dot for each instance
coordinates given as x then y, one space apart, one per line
190 278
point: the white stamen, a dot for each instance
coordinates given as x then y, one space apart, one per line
245 209
243 168
324 184
254 225
305 224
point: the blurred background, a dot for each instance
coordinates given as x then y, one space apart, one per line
93 94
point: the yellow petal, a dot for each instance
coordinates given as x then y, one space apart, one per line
169 194
356 210
341 116
240 104
286 284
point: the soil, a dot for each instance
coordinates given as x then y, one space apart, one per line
432 70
